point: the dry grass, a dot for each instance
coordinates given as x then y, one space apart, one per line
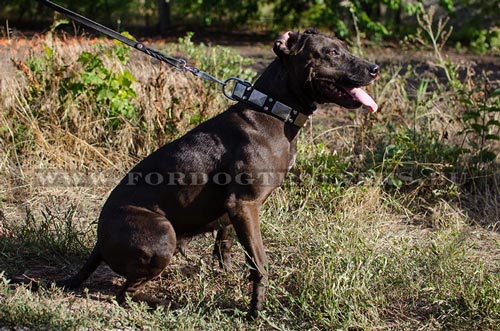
67 133
349 253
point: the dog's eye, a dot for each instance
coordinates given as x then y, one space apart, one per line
332 52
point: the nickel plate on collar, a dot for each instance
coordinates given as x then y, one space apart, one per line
239 90
281 110
257 98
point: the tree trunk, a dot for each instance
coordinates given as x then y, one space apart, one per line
163 15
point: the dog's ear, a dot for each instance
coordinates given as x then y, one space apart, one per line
285 43
311 31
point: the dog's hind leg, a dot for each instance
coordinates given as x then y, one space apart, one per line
142 256
130 288
134 281
88 268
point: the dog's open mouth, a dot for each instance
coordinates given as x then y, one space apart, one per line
348 97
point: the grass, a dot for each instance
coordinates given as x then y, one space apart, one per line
349 264
354 241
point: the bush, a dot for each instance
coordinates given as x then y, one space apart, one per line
135 106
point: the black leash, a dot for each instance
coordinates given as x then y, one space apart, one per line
242 91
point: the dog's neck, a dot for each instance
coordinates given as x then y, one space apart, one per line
276 82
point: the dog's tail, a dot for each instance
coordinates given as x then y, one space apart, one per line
88 268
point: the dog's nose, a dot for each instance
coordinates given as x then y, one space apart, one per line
373 69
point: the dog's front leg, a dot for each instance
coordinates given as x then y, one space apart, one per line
244 215
222 247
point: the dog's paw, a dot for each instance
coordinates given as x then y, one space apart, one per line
253 314
67 283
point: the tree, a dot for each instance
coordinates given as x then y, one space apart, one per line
163 15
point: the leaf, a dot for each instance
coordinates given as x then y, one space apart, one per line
492 137
48 51
448 5
478 127
465 101
468 115
394 181
486 155
59 22
493 122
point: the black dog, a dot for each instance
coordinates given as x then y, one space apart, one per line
219 174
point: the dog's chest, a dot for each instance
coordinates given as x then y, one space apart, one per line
291 162
292 154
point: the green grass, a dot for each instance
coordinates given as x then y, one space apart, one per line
348 264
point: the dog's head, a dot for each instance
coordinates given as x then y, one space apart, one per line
331 73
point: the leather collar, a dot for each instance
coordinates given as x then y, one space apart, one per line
246 93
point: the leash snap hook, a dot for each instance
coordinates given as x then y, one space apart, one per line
181 65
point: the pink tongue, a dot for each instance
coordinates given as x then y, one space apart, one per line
363 97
